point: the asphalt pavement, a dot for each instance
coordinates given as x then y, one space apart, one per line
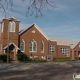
39 71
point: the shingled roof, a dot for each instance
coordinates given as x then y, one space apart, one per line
69 42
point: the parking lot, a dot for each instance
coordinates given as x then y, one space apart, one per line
39 71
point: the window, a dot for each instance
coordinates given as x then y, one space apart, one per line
35 57
49 57
22 45
11 26
2 27
65 51
43 57
32 46
33 31
31 57
42 47
51 48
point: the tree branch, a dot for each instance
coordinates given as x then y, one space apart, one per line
35 7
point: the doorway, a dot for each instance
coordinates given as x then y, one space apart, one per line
12 55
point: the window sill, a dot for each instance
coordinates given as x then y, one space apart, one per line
22 51
33 51
11 31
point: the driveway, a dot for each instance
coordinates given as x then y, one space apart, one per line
39 71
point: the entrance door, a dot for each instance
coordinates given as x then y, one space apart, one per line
12 55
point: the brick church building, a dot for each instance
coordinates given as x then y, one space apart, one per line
33 42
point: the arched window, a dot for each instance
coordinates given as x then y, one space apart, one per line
42 47
22 46
11 26
32 46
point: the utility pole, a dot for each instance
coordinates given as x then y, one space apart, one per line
8 46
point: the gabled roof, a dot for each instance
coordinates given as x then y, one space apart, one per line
10 44
34 25
68 42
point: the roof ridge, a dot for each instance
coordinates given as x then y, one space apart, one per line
25 29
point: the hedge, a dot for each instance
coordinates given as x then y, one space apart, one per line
3 57
23 57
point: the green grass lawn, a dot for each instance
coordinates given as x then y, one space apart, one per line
35 61
63 60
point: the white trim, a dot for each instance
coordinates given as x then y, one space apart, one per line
12 26
24 45
4 52
43 47
43 57
9 18
10 44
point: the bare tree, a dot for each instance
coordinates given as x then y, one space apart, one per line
34 7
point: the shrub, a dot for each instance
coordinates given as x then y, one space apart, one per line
3 58
23 57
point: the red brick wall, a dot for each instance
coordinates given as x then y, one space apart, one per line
76 49
54 54
38 37
13 36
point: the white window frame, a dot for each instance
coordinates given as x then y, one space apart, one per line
43 57
51 48
42 50
23 45
36 57
32 47
65 51
11 26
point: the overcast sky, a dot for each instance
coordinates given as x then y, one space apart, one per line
63 21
